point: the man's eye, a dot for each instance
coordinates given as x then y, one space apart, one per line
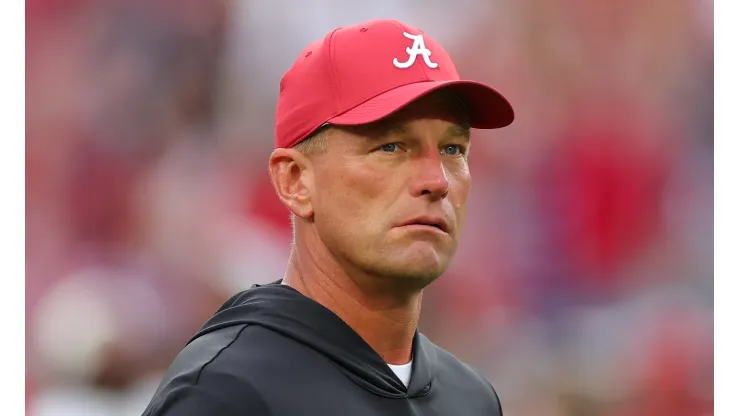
452 150
389 148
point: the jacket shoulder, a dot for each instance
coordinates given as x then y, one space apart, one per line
199 381
453 373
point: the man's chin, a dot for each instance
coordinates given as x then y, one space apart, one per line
416 273
414 266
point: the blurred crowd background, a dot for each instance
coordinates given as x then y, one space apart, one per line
584 281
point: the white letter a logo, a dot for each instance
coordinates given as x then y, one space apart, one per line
415 50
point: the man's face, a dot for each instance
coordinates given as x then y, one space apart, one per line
390 197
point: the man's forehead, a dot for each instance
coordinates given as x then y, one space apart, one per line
406 126
456 129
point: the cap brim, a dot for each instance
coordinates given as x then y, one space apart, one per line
487 108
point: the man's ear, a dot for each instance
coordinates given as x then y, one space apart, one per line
292 178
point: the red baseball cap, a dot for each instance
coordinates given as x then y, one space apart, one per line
362 73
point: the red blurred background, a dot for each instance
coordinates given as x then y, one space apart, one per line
584 282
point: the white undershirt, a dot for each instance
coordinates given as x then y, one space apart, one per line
403 372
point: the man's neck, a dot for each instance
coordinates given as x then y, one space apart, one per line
387 322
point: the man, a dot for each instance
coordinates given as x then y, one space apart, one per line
372 141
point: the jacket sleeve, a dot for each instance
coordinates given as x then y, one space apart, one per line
198 401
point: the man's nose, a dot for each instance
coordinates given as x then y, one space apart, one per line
430 177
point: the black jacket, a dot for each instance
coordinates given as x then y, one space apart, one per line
272 351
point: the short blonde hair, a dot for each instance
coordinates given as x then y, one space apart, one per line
315 143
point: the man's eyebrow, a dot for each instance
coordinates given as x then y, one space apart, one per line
456 130
459 131
381 130
394 127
